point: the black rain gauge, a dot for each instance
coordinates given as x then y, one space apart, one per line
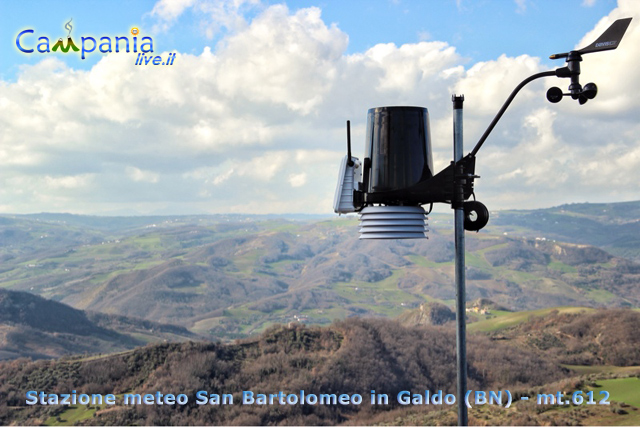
396 178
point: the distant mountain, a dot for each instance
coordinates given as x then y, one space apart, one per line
231 276
31 326
126 223
614 227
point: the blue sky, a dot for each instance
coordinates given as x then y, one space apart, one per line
250 117
480 30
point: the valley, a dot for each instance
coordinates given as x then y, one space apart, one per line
227 277
184 304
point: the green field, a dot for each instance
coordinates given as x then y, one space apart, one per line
620 390
72 415
625 390
508 319
560 266
603 369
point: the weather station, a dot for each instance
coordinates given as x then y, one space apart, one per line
395 179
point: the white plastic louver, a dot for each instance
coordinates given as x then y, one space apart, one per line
393 222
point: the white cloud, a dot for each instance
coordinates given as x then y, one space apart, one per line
139 175
70 182
615 72
257 124
170 10
283 59
486 85
424 36
225 14
219 179
214 15
298 179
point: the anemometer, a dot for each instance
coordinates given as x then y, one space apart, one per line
396 176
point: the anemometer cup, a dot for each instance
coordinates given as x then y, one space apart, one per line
589 91
396 176
554 94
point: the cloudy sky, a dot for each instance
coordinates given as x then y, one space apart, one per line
250 118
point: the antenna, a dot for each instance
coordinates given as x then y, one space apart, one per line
350 161
396 176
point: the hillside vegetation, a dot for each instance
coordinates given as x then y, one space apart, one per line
599 337
614 227
233 276
351 356
31 326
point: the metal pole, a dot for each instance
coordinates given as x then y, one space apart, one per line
457 205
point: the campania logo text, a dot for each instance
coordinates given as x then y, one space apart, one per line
27 42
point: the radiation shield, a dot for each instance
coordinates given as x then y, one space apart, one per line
393 222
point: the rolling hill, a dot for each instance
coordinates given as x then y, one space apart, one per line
232 276
579 337
614 227
351 356
31 326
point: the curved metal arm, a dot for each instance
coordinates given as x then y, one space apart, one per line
506 105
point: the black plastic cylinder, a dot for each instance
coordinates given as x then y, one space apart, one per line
399 146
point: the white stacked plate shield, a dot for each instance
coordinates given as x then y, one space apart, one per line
393 222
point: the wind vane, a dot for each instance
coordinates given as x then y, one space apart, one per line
396 177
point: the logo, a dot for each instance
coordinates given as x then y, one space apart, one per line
605 44
88 44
